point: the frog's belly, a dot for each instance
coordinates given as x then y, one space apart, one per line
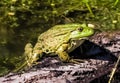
74 45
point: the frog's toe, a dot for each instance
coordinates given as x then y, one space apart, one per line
31 59
77 61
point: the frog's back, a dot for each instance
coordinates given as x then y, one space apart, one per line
54 37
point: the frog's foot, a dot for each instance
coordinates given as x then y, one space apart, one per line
77 61
28 53
65 58
31 59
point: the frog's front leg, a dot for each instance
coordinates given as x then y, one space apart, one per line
32 55
63 55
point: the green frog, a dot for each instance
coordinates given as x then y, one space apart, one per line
58 40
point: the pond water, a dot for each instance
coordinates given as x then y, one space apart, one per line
11 52
10 57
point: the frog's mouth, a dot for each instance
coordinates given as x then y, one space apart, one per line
85 38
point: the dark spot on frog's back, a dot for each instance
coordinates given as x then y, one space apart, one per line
41 39
43 46
40 48
47 50
59 39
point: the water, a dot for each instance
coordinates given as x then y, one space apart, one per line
10 58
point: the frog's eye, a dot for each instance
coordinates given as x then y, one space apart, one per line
80 29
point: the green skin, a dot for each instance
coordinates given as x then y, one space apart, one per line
58 40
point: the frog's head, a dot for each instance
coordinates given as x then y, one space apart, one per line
82 31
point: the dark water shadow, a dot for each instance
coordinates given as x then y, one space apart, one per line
90 50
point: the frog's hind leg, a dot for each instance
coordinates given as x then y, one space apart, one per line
32 55
63 55
28 53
